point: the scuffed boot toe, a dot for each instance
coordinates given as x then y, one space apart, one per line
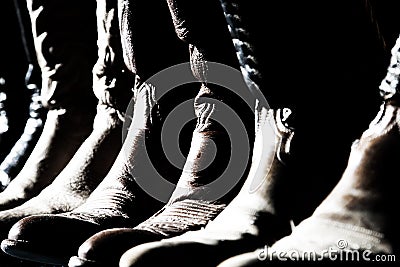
36 238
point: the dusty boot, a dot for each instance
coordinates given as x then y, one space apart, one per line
79 178
192 204
66 62
98 152
355 222
15 160
54 149
251 219
117 202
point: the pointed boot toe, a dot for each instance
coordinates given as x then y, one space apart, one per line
106 247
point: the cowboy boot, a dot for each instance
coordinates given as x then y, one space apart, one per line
16 158
51 154
190 198
252 218
255 172
79 178
191 205
96 155
118 201
66 65
356 219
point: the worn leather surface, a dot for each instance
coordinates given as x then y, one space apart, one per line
106 247
63 133
360 211
81 175
191 205
252 218
118 201
188 209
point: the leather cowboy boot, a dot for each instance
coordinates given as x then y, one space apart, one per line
253 206
54 149
66 65
21 150
356 221
96 155
80 177
252 218
118 201
191 205
189 208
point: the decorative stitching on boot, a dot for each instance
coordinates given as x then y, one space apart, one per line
181 216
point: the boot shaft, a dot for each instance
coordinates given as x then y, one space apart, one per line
65 44
112 81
